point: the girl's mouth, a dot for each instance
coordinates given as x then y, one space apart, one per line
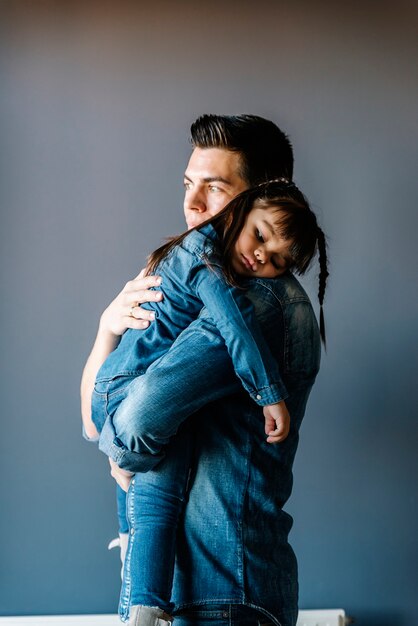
248 265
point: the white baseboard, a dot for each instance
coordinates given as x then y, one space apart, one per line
306 618
326 617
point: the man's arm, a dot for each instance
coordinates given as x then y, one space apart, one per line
122 313
104 344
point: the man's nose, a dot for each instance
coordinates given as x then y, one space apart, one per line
194 200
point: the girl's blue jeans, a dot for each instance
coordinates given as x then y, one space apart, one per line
149 512
148 419
106 398
121 507
155 501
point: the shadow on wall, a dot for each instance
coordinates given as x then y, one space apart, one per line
373 618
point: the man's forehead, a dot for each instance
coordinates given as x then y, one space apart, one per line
214 165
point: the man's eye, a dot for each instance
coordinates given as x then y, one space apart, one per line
187 185
214 188
259 235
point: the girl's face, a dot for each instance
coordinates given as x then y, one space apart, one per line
259 251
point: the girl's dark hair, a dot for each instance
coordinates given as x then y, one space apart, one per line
295 221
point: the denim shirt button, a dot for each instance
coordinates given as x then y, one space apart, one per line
258 396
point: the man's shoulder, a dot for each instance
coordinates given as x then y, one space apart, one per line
284 300
285 289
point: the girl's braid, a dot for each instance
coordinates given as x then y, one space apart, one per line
323 275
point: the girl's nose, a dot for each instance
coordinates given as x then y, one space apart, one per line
260 256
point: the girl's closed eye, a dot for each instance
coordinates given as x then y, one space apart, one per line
275 264
280 262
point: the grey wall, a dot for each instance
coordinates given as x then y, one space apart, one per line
95 104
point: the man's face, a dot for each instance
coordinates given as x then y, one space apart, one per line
211 180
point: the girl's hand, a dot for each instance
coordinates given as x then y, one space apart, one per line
124 311
277 422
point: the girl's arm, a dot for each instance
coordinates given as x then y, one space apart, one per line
233 315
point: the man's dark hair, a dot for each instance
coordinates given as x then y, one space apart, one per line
266 152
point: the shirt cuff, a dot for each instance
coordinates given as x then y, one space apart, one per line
269 395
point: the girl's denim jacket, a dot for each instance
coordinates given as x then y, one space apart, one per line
192 278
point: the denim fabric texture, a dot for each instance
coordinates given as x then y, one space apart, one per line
232 540
189 284
155 502
123 526
222 615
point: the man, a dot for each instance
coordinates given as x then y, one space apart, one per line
234 564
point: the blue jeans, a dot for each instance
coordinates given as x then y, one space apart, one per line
121 508
155 501
144 413
104 402
147 414
150 414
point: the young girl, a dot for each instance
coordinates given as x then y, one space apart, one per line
262 233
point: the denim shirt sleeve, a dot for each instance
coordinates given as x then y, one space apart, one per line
234 316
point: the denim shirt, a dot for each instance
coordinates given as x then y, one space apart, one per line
233 541
189 284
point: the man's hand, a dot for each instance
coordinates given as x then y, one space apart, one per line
124 311
277 422
121 314
122 477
